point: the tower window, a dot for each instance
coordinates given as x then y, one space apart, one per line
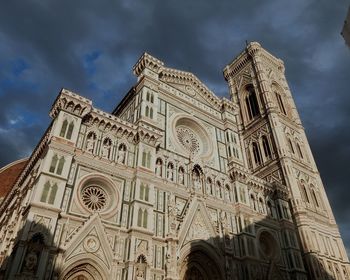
57 165
291 148
49 193
299 151
142 218
67 129
251 103
315 198
280 103
266 146
256 153
146 159
144 192
306 197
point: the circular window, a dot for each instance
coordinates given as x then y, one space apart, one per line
188 139
94 198
268 245
98 193
191 137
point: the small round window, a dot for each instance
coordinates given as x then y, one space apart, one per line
97 193
94 198
191 137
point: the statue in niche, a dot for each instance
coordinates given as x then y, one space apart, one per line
181 176
170 172
196 180
90 142
121 154
140 274
30 262
159 167
106 148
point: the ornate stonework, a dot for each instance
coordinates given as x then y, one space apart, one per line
175 184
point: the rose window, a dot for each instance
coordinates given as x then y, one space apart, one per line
188 139
94 198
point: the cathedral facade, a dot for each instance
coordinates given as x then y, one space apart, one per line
176 183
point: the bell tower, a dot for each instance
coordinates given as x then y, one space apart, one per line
276 149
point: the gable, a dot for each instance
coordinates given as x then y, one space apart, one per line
190 85
197 225
90 240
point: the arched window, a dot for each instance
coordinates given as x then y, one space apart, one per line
229 151
45 192
64 128
306 197
148 96
70 130
53 163
315 198
67 130
56 165
49 193
256 153
146 159
291 148
148 162
142 218
53 192
299 151
60 165
152 98
252 202
147 111
139 217
280 103
151 113
266 146
145 218
251 103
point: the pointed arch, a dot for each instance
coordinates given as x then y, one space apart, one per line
53 164
251 102
60 165
256 153
266 146
64 128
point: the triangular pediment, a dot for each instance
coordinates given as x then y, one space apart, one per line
197 225
190 85
91 239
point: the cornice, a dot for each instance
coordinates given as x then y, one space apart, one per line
183 77
147 61
70 102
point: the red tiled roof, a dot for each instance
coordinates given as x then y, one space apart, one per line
9 174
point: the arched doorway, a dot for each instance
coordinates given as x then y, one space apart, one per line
83 272
198 265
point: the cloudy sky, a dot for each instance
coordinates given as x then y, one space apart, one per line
91 46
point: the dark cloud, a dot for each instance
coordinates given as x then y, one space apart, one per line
91 46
